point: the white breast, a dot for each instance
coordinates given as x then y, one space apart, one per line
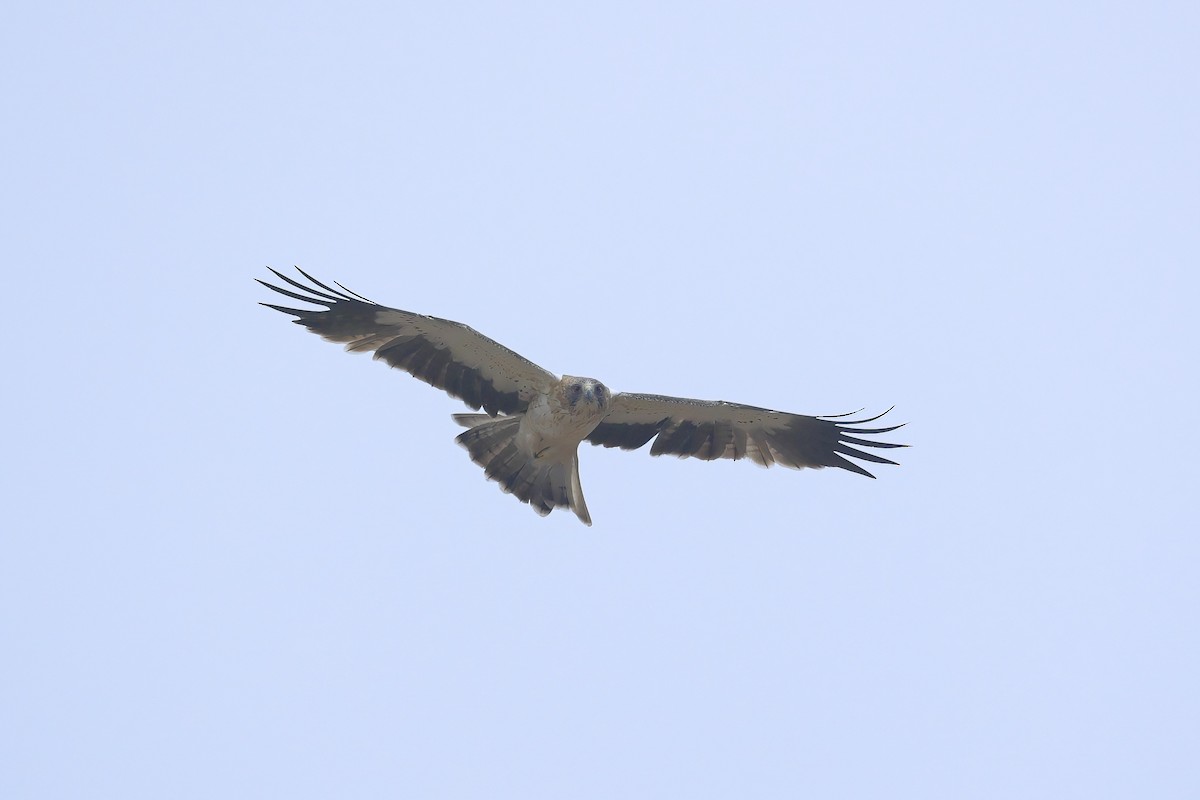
549 430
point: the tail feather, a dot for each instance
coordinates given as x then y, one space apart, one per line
544 485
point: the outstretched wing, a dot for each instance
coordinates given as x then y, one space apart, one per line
711 430
446 354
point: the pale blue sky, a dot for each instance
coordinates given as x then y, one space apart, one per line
238 562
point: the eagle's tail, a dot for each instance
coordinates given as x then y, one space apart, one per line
544 484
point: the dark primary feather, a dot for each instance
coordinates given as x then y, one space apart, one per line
449 355
712 430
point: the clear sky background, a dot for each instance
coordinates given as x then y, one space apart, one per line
238 562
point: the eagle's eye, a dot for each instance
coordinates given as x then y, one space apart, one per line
574 391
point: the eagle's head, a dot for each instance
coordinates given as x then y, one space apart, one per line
579 393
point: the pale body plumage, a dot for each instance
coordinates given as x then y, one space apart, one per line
556 422
528 439
546 442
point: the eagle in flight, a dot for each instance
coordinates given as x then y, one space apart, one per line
528 437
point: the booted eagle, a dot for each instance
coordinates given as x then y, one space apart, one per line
528 437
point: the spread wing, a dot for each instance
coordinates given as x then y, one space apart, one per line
711 430
449 355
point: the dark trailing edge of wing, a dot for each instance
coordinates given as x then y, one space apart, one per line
801 442
350 318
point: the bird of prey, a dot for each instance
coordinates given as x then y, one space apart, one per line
528 437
